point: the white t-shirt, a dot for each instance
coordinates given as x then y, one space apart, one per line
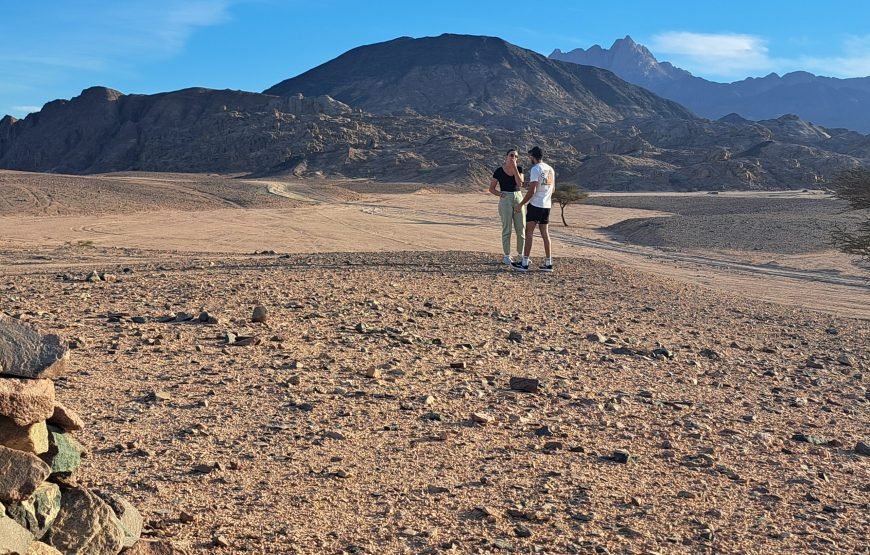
546 178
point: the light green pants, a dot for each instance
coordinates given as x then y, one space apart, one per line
508 217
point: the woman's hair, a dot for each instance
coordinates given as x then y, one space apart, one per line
511 150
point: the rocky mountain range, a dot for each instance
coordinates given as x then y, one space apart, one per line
825 101
432 110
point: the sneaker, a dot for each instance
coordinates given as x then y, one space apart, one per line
518 266
507 259
545 268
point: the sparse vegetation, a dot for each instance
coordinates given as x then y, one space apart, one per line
853 186
568 194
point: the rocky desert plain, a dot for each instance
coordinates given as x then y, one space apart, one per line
322 366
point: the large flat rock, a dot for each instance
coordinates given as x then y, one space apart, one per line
26 401
20 474
27 353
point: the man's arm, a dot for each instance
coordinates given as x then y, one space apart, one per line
531 192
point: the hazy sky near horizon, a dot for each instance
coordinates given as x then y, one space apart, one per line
55 48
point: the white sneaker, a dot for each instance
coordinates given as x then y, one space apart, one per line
507 259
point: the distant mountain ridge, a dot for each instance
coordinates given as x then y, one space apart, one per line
827 101
434 110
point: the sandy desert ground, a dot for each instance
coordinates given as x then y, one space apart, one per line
690 401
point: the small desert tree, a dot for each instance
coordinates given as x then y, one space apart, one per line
853 186
568 194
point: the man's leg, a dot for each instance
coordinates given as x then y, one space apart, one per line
530 234
520 223
506 213
545 236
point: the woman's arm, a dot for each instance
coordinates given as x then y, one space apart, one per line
492 183
518 178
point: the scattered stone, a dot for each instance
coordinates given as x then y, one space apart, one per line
26 401
458 365
804 438
37 512
130 519
544 431
622 456
20 474
94 277
596 337
529 385
661 352
374 373
65 418
435 490
522 532
709 353
554 446
259 315
26 353
32 438
245 341
862 448
515 337
220 541
64 454
14 538
85 524
482 418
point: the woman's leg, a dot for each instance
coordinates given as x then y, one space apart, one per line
506 213
520 223
545 236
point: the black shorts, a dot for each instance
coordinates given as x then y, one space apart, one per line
539 215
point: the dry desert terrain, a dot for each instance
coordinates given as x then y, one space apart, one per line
695 397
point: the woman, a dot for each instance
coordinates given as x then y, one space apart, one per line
509 179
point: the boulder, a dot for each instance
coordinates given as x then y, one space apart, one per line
20 474
14 539
66 418
32 438
85 525
26 401
131 520
37 512
64 453
26 353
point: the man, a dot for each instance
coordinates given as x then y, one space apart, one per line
542 183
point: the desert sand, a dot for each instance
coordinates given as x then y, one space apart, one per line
688 402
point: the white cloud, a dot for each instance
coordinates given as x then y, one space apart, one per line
726 54
21 111
736 56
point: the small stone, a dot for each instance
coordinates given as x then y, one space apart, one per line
32 438
374 373
553 446
596 337
515 337
66 418
622 456
862 448
361 328
220 541
186 517
522 532
20 474
435 490
37 512
27 353
26 401
544 431
94 277
458 365
804 438
64 453
335 435
259 315
482 418
529 385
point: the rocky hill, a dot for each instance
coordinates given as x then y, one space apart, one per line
826 101
434 110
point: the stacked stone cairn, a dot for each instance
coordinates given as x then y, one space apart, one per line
42 509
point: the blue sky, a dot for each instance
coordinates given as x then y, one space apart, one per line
55 48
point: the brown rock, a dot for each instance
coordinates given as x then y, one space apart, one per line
39 548
529 385
26 401
260 314
20 474
86 524
152 547
26 353
37 512
32 438
66 419
14 539
127 514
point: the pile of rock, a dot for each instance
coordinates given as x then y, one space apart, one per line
42 509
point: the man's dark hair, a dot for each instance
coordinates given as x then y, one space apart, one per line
537 153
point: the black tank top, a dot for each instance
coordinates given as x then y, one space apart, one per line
506 182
